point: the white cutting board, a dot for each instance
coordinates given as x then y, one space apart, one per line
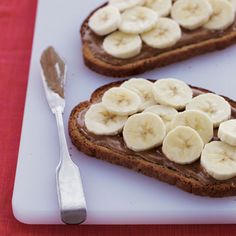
114 194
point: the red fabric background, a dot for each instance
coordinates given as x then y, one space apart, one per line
16 34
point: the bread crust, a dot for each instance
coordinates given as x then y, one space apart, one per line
165 174
161 60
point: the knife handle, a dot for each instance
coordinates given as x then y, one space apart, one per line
69 184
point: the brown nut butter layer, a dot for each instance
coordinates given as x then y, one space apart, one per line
192 43
188 37
54 70
154 157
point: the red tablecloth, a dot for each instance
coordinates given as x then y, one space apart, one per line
16 34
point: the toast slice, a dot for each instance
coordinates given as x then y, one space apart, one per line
191 178
192 43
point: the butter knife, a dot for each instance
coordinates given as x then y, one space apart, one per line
69 184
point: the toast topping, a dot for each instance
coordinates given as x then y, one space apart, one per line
122 45
100 121
227 132
125 4
161 7
166 113
182 134
121 101
143 88
182 145
196 120
165 34
223 15
191 14
233 2
105 20
172 92
137 20
158 22
216 107
144 131
219 160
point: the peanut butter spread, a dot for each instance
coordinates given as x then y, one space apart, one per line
188 38
54 70
155 156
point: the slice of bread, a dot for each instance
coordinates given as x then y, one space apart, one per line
191 178
98 60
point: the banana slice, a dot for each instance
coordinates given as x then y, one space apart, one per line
137 20
161 7
121 101
196 120
182 145
165 34
143 88
219 160
143 131
172 92
122 45
99 121
191 14
167 114
233 2
215 106
223 15
125 4
227 132
105 20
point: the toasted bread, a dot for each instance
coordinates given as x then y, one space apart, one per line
99 61
191 178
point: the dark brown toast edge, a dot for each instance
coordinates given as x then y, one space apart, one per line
161 60
157 171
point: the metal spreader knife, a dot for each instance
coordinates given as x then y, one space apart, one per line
69 185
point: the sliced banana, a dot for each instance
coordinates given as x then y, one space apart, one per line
99 121
223 15
125 4
143 131
121 101
215 106
165 34
219 160
161 7
182 145
143 88
191 14
167 114
227 132
122 45
196 120
137 20
233 2
105 20
172 92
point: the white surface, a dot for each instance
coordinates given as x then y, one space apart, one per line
114 194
